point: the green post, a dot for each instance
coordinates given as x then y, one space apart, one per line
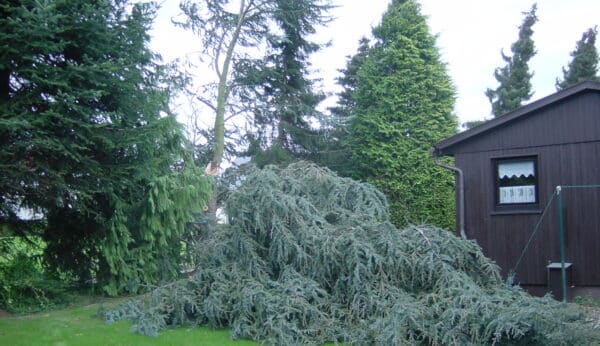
561 239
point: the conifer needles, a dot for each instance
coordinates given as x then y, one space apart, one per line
308 257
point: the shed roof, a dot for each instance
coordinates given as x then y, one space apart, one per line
444 147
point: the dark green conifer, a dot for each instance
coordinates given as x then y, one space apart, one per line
335 152
584 66
349 81
515 78
284 98
87 143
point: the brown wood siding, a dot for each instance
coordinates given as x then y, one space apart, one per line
572 120
504 235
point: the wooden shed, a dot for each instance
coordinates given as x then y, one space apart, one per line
511 166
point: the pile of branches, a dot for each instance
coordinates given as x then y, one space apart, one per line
308 257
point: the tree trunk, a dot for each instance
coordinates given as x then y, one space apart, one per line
222 96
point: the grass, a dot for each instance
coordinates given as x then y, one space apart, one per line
79 326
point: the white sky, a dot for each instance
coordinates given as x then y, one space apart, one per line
471 34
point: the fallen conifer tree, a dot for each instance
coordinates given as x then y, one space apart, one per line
308 257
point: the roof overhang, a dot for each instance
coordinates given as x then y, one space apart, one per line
445 147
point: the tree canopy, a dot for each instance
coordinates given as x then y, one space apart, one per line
88 142
401 102
227 30
284 98
308 257
584 65
336 151
514 77
272 89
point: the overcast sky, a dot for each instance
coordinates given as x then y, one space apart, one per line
471 34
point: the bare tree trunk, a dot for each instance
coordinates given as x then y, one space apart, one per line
222 96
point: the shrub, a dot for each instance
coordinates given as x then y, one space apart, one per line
25 286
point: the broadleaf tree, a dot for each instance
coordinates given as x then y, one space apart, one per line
88 142
584 65
515 77
403 103
229 31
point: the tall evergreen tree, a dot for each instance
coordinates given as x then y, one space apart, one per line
584 65
403 105
349 80
335 154
515 78
283 96
86 141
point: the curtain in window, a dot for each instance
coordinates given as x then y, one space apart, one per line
520 168
517 194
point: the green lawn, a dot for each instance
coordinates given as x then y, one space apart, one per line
78 326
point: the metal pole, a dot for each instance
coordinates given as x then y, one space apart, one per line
561 238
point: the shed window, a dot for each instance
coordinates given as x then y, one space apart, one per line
516 181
